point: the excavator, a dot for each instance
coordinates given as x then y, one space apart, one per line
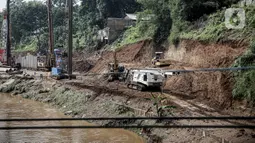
159 61
116 71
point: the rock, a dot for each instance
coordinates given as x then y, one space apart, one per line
76 116
84 116
47 100
15 93
43 91
68 112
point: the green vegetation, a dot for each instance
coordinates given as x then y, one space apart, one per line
69 100
213 29
212 32
143 30
30 22
157 19
153 22
245 84
161 109
27 47
181 19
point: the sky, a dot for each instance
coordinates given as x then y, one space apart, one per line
3 4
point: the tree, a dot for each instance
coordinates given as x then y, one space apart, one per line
161 18
28 19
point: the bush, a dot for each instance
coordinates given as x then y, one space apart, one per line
244 87
212 28
253 47
143 30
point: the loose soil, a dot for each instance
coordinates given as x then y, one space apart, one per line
132 56
214 88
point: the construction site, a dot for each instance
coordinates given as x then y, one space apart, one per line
191 79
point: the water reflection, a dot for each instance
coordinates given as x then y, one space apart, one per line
16 107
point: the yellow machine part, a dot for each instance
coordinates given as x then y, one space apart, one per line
163 62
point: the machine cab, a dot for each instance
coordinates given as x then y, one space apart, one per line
159 55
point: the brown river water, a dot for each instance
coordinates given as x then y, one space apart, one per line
17 107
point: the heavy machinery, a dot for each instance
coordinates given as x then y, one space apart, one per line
142 79
159 61
58 72
116 71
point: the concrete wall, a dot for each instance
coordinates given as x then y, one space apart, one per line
119 23
116 26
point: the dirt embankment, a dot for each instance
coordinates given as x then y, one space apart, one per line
214 87
132 56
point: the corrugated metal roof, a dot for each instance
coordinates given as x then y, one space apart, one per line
131 16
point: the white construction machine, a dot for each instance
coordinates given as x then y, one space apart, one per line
142 79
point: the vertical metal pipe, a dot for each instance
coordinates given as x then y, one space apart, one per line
8 38
70 37
51 59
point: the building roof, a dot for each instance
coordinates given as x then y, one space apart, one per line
131 16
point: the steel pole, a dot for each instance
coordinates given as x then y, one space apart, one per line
8 42
70 37
50 55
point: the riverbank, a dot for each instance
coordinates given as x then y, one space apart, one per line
86 101
73 101
18 107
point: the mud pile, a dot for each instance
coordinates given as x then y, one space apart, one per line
82 66
130 55
215 87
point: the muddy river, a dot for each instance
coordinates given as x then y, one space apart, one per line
17 107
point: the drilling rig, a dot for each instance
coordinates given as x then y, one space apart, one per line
3 56
50 56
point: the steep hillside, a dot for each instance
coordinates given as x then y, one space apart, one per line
215 87
200 38
131 55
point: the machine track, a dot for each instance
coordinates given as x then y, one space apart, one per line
138 86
